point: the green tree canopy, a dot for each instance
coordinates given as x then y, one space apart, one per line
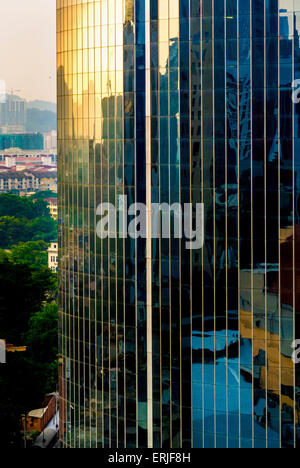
33 253
28 311
22 292
43 195
41 338
22 207
43 228
12 231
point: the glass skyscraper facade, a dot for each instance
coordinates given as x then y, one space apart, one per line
187 101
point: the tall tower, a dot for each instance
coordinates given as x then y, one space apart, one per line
179 101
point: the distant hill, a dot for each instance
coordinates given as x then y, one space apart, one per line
42 105
42 121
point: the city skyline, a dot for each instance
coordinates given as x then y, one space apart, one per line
28 64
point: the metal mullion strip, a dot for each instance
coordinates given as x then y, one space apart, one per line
73 328
71 362
123 280
202 196
214 215
100 278
65 281
71 143
238 165
252 231
95 306
136 249
170 261
180 246
96 280
65 316
71 319
78 305
226 212
102 305
160 240
124 328
71 391
83 296
116 393
85 279
116 396
279 224
124 256
89 299
265 216
170 266
95 271
108 246
102 261
294 245
89 247
160 248
149 229
190 254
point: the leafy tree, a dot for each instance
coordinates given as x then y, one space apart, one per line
28 313
13 192
22 292
33 253
12 231
43 195
40 208
4 256
42 341
15 206
42 335
43 228
22 207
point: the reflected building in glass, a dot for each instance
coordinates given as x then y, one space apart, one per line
180 101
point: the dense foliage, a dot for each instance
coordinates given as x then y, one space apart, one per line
22 207
28 313
23 220
43 195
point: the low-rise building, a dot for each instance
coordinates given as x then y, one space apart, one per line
28 180
37 420
48 182
16 157
20 181
53 257
52 205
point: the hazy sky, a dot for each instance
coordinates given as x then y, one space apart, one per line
27 47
